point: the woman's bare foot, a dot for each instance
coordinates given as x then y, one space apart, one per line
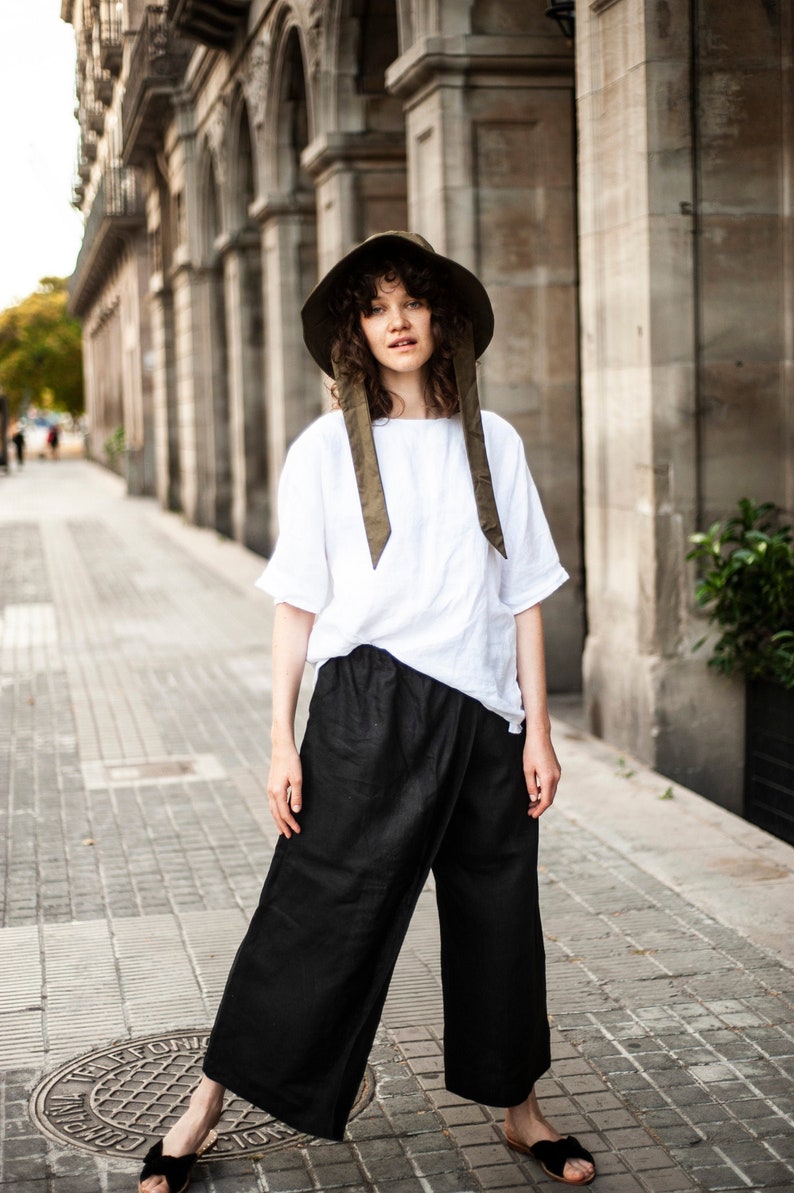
188 1134
526 1124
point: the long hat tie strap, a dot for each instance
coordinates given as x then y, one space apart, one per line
355 407
466 381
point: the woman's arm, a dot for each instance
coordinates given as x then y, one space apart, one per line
541 768
291 629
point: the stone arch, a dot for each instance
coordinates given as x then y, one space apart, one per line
290 125
242 182
210 203
362 39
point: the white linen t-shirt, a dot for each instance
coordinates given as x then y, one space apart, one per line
442 600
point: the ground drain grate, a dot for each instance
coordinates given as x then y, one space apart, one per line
116 1100
123 772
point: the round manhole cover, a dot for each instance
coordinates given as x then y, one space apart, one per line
118 1099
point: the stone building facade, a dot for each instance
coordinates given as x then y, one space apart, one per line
627 203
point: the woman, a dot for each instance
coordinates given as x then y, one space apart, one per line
412 559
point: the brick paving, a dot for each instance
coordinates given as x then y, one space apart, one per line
134 695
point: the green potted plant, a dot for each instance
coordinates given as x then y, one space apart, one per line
746 584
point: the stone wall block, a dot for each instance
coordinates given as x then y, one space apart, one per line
592 281
667 31
515 16
739 112
741 267
617 698
426 172
669 161
383 200
622 582
670 328
560 332
513 236
618 34
662 546
699 732
513 357
561 612
624 334
557 473
589 185
189 416
675 432
623 184
523 134
733 33
669 119
742 406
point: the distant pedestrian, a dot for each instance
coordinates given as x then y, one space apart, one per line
53 439
18 440
412 558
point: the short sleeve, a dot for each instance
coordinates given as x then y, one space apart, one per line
297 573
532 570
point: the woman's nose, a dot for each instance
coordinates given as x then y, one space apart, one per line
398 318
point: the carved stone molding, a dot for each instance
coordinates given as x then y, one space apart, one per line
217 127
314 31
255 77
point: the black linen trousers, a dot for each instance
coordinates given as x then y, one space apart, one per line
401 774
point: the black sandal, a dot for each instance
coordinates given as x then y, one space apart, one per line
175 1169
553 1155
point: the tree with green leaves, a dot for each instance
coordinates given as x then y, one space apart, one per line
41 360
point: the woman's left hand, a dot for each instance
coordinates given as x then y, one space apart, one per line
541 770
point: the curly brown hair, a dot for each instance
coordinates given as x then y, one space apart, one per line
351 354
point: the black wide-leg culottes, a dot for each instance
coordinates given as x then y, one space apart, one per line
401 775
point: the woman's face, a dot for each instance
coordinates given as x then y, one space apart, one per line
398 330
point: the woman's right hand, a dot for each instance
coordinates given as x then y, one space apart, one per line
285 788
291 629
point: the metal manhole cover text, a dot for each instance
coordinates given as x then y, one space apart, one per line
119 1099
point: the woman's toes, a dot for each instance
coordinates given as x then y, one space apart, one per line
578 1170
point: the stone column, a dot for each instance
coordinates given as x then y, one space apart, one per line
91 389
491 182
645 690
194 365
137 370
294 394
200 341
165 426
361 189
184 342
247 429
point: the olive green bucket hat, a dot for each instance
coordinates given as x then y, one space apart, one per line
319 326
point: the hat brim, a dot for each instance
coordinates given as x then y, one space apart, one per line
319 323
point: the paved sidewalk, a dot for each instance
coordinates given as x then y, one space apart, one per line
134 689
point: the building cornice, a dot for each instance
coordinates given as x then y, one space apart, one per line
331 150
464 57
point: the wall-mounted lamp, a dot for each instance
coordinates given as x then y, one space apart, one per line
564 13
